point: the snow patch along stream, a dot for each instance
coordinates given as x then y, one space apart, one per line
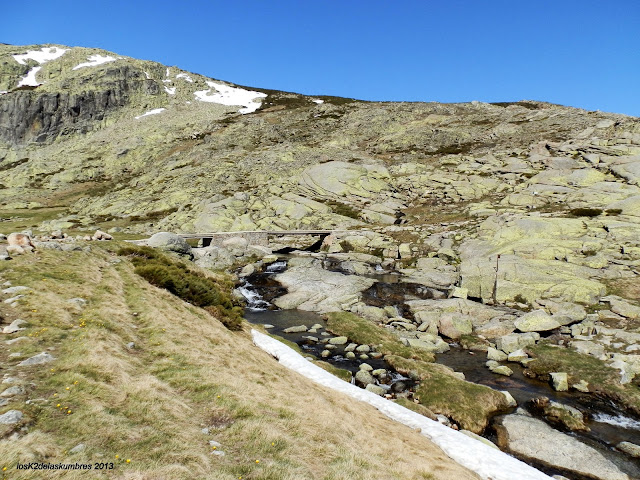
226 95
488 463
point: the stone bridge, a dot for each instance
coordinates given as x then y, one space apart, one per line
254 237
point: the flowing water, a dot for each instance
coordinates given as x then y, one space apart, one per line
607 425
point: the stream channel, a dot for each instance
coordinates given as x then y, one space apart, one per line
607 425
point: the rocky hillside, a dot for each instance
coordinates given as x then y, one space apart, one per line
518 223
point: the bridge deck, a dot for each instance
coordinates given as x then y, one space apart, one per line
264 232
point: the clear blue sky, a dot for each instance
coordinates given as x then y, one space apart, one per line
582 53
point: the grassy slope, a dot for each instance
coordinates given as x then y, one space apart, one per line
186 372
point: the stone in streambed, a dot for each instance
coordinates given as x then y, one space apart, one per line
517 356
454 325
364 378
338 340
536 321
366 367
296 329
375 389
629 448
533 439
502 370
497 355
559 380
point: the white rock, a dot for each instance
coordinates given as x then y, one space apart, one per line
38 359
11 417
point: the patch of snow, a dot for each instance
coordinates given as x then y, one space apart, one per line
2 92
487 462
185 76
170 90
167 80
318 101
45 55
146 74
95 60
30 79
188 103
155 111
226 95
618 420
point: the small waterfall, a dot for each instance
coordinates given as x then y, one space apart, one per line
617 420
277 267
254 300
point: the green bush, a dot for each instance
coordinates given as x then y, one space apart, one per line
585 212
189 285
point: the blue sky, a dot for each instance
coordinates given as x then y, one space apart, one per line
580 53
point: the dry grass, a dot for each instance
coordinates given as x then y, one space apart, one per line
187 372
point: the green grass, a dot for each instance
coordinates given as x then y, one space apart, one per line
585 212
470 405
415 407
603 380
190 285
365 332
341 373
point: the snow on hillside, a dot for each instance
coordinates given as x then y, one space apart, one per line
30 79
155 111
42 56
185 76
488 463
226 95
95 60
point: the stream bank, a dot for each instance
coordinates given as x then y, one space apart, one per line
607 427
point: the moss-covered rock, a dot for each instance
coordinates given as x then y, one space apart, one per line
442 391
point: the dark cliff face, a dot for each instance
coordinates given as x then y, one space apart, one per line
26 115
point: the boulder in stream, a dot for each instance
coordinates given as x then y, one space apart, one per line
532 439
314 289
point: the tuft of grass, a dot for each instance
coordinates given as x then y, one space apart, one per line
585 212
415 407
190 285
613 211
603 380
341 373
470 405
365 332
